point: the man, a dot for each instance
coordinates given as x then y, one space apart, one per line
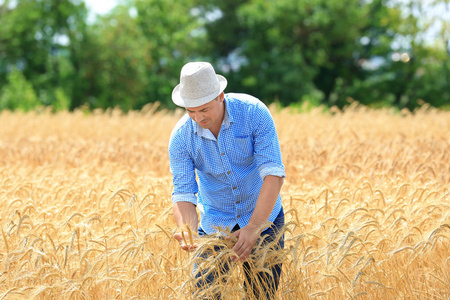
230 143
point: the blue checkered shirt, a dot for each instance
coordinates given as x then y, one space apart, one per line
231 168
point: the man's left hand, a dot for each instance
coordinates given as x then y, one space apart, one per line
246 240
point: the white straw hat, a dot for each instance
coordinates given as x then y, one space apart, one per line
199 84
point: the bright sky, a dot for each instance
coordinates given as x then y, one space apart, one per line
99 7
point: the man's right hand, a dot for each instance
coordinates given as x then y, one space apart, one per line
186 243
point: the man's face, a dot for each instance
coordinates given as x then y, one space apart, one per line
208 115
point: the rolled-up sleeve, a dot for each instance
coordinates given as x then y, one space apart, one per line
266 145
182 168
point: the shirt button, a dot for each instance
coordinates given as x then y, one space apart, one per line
237 202
223 153
239 216
229 172
234 187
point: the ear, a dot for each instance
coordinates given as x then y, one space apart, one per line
221 97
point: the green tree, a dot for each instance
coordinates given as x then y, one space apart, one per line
415 69
133 55
37 37
113 62
313 45
175 34
296 50
426 75
18 93
322 51
327 51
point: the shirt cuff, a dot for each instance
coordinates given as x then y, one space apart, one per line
272 169
184 197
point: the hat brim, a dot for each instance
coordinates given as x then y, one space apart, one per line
183 102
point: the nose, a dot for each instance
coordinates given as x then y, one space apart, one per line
198 117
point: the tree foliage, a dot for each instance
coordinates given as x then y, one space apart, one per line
292 51
37 38
18 93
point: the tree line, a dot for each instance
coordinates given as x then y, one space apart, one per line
320 52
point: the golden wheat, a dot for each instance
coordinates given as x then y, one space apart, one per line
86 210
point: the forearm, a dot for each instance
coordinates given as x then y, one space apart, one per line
266 201
185 214
248 235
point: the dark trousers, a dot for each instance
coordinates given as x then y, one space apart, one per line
258 284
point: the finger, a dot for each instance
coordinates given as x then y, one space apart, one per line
188 247
184 238
234 256
193 247
241 248
237 247
179 240
245 254
236 234
236 250
183 243
240 255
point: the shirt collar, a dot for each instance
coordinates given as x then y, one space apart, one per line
228 116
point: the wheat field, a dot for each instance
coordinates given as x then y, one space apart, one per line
86 210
